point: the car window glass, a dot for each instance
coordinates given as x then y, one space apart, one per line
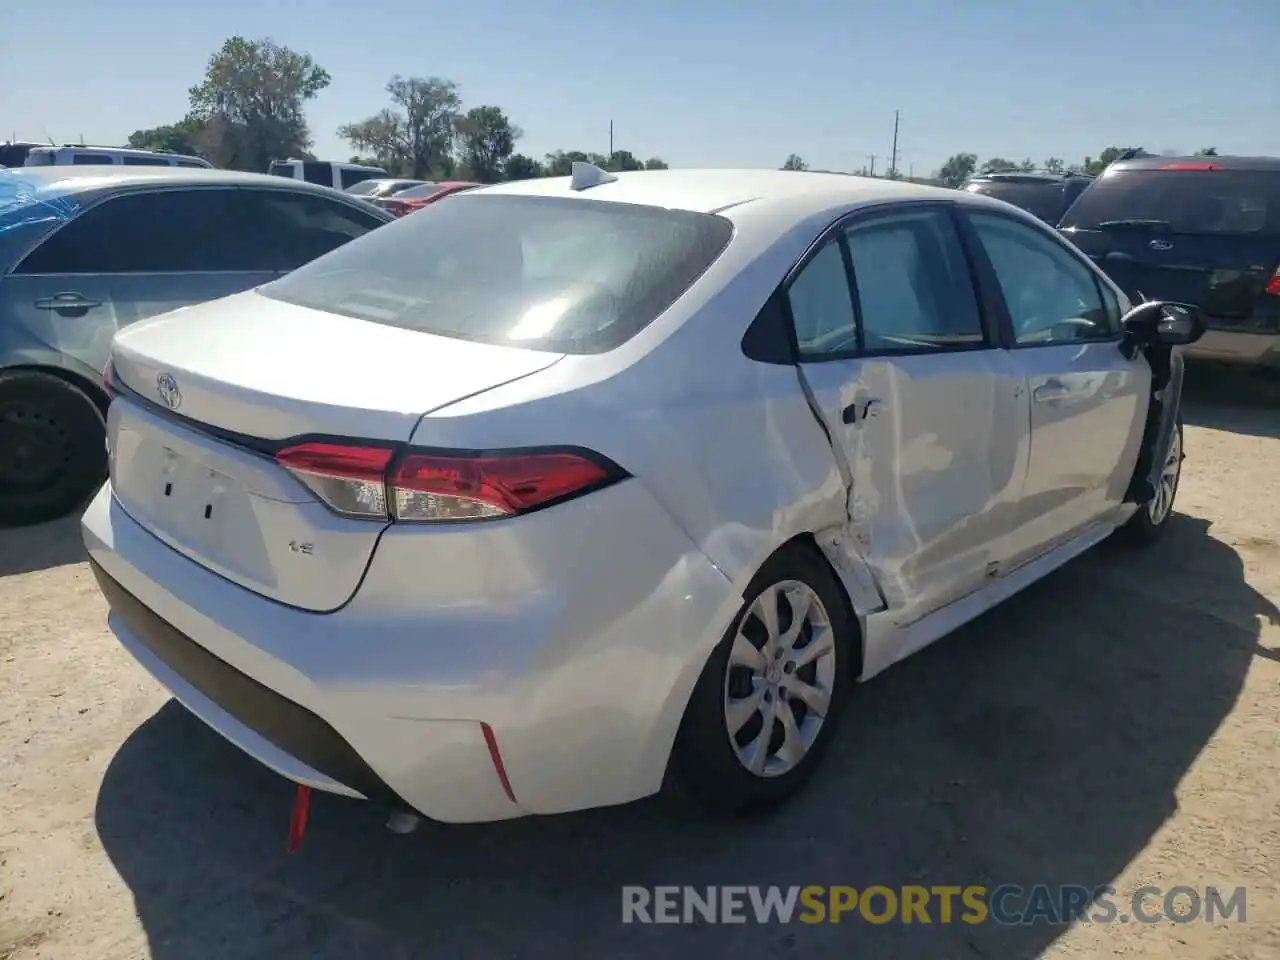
190 163
168 231
289 229
1188 201
351 177
821 307
145 161
90 159
1051 296
502 269
913 285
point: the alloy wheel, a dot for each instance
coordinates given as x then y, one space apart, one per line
1162 503
780 678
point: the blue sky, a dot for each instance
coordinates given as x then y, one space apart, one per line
703 83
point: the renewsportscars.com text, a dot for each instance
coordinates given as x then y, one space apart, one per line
1006 905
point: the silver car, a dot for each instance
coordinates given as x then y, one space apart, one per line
85 251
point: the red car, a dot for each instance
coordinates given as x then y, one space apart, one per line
415 198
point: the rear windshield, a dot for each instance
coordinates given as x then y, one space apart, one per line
39 158
1188 201
567 275
419 191
1047 200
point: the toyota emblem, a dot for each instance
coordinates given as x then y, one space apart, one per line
169 392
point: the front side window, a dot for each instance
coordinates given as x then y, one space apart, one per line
1051 296
351 177
560 274
913 285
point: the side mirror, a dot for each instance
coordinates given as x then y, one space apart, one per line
1164 322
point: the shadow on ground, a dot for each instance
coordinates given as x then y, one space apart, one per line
1233 399
1041 744
40 547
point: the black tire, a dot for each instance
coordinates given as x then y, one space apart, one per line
1142 528
705 763
52 447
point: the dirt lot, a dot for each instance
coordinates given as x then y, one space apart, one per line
1118 723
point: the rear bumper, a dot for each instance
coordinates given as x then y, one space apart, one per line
1230 346
576 668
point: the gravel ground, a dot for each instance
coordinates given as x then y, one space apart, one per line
1117 723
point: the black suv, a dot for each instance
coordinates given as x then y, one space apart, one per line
1047 195
1203 230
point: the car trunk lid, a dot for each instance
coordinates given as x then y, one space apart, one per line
207 394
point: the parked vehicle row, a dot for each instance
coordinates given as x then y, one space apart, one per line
1204 230
83 256
413 198
560 488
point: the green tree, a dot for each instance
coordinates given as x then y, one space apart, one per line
656 163
1105 159
958 168
623 160
1054 165
998 165
1207 152
520 167
560 163
1027 165
252 101
416 134
181 137
794 162
487 139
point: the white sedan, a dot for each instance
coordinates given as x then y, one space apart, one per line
515 505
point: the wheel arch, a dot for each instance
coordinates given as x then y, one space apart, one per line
93 391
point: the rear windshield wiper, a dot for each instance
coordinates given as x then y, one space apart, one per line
1152 224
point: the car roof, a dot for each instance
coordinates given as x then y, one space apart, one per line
1270 164
796 193
49 181
1027 177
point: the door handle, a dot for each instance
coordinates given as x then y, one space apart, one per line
74 304
1050 392
861 410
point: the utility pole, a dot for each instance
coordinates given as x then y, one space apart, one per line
893 163
872 158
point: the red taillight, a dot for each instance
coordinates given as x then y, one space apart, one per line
1273 285
349 479
1192 165
431 487
435 487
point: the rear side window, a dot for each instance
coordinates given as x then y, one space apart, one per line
145 161
170 231
913 285
191 163
1187 201
317 173
281 168
548 273
90 159
288 229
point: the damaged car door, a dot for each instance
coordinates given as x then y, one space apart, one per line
928 414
